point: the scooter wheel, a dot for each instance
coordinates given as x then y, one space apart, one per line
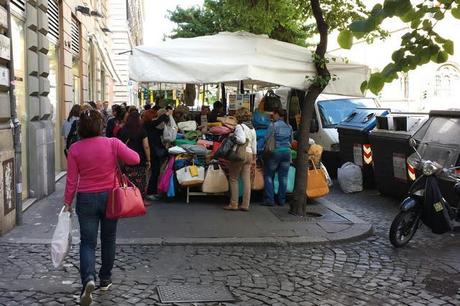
403 228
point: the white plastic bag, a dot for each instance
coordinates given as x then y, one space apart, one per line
62 238
170 130
326 173
350 178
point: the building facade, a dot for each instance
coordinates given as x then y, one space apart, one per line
126 24
62 55
431 86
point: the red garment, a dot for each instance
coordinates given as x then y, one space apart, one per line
91 165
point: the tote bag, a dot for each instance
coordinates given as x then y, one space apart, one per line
317 183
258 179
215 180
290 182
185 177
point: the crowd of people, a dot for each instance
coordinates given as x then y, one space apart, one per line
131 139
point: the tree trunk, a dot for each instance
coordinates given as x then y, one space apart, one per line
298 206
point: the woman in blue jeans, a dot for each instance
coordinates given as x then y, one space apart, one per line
91 170
279 160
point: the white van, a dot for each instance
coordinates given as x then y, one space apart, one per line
329 111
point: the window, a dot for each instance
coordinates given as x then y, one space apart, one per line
447 80
333 112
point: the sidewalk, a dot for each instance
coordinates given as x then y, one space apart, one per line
204 222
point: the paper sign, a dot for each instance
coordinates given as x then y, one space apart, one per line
358 154
399 167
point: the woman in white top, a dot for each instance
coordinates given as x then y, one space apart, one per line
244 132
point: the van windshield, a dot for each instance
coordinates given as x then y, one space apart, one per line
333 112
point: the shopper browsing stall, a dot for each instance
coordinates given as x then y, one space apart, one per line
154 128
245 135
279 160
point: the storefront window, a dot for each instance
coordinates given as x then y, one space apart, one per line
54 100
18 44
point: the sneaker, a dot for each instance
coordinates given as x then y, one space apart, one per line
105 284
267 204
152 197
86 297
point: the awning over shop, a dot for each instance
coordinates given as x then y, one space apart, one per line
229 57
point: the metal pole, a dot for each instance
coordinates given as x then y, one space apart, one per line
16 126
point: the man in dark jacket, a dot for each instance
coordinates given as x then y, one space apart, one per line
217 111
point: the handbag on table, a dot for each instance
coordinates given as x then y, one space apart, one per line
215 181
125 200
190 176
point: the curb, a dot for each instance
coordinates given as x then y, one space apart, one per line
365 230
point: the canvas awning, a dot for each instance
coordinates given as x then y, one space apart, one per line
230 57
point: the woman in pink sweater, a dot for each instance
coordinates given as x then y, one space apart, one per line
91 169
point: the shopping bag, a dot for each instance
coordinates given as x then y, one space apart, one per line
62 238
171 190
169 134
164 179
258 179
185 178
290 182
215 181
317 183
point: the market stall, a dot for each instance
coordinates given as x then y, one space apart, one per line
226 58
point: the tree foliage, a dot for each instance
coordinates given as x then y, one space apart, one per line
285 20
420 45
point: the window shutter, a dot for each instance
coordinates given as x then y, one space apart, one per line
53 20
21 4
75 37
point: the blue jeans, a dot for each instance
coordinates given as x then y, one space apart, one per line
91 211
278 162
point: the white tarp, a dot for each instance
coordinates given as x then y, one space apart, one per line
228 57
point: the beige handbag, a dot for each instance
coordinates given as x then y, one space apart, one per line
215 180
258 179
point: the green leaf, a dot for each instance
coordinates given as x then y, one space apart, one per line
360 26
345 39
456 12
397 55
376 83
363 86
449 46
440 57
438 15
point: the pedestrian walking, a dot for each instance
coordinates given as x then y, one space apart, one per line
135 137
92 179
115 124
244 134
74 114
154 128
279 160
73 136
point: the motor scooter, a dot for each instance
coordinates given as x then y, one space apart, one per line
409 219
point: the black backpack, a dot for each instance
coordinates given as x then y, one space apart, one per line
72 137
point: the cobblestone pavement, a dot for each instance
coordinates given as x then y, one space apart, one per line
369 272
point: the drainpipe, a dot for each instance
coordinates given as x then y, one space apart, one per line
16 127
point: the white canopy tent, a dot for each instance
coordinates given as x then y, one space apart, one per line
240 56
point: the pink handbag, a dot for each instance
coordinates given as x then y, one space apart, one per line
165 177
205 143
220 130
125 200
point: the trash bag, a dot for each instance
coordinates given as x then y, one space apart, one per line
62 238
350 178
